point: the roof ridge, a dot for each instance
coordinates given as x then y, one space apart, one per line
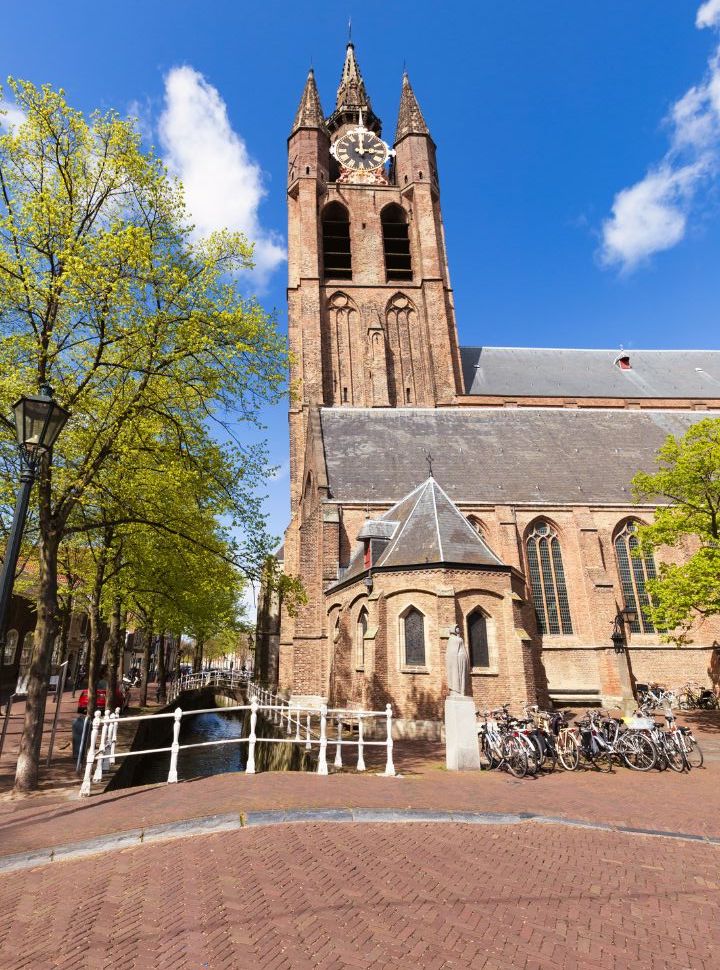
437 521
396 539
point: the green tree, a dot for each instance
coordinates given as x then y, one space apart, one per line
104 294
688 480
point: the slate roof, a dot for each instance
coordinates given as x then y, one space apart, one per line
499 456
309 113
410 117
545 372
427 528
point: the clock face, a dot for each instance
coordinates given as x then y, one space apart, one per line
360 150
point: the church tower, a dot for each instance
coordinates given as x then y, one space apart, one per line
370 309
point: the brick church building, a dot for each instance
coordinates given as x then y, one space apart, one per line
434 484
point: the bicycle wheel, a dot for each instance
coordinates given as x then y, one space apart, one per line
514 758
674 756
685 701
491 752
531 753
693 752
568 752
637 751
602 760
547 744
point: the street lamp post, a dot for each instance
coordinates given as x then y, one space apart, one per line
38 421
628 615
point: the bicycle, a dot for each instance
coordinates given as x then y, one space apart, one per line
594 748
566 741
629 745
694 695
500 749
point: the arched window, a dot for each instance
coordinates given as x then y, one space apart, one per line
11 642
478 639
547 580
413 631
362 625
477 525
634 571
337 262
396 243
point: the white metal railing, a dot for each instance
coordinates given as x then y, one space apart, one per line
206 678
301 725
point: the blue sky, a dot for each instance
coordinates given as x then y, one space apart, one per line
546 115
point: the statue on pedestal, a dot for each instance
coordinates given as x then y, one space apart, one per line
457 664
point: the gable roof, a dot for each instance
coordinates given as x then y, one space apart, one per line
548 372
495 455
427 528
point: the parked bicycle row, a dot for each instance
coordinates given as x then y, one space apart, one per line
691 696
540 741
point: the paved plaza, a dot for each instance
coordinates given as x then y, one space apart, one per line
585 885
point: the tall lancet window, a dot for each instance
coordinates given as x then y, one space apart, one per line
547 580
634 572
337 258
396 243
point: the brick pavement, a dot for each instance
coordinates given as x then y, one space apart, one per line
339 896
667 801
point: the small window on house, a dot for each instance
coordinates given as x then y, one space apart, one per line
478 639
396 243
362 625
337 262
413 625
634 571
10 649
547 581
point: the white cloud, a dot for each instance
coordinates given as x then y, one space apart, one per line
652 215
223 185
12 115
709 14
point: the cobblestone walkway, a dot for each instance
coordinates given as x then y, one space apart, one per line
372 896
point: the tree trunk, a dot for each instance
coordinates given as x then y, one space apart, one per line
26 773
145 665
113 655
198 656
66 616
161 672
178 656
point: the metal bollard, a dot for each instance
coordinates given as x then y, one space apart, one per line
175 747
86 786
101 750
389 766
250 767
322 768
361 759
338 747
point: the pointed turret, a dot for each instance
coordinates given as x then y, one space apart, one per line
352 98
410 117
309 112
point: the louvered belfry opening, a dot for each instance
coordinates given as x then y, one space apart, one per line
337 259
396 243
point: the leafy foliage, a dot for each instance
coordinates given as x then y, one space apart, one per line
689 480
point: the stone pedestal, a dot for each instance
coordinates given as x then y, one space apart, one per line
461 740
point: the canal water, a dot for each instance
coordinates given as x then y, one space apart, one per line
198 762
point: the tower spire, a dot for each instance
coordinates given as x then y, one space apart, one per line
410 117
309 112
352 97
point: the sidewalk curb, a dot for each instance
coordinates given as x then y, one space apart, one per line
234 821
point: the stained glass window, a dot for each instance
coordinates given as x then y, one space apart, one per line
547 581
478 640
414 635
634 571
